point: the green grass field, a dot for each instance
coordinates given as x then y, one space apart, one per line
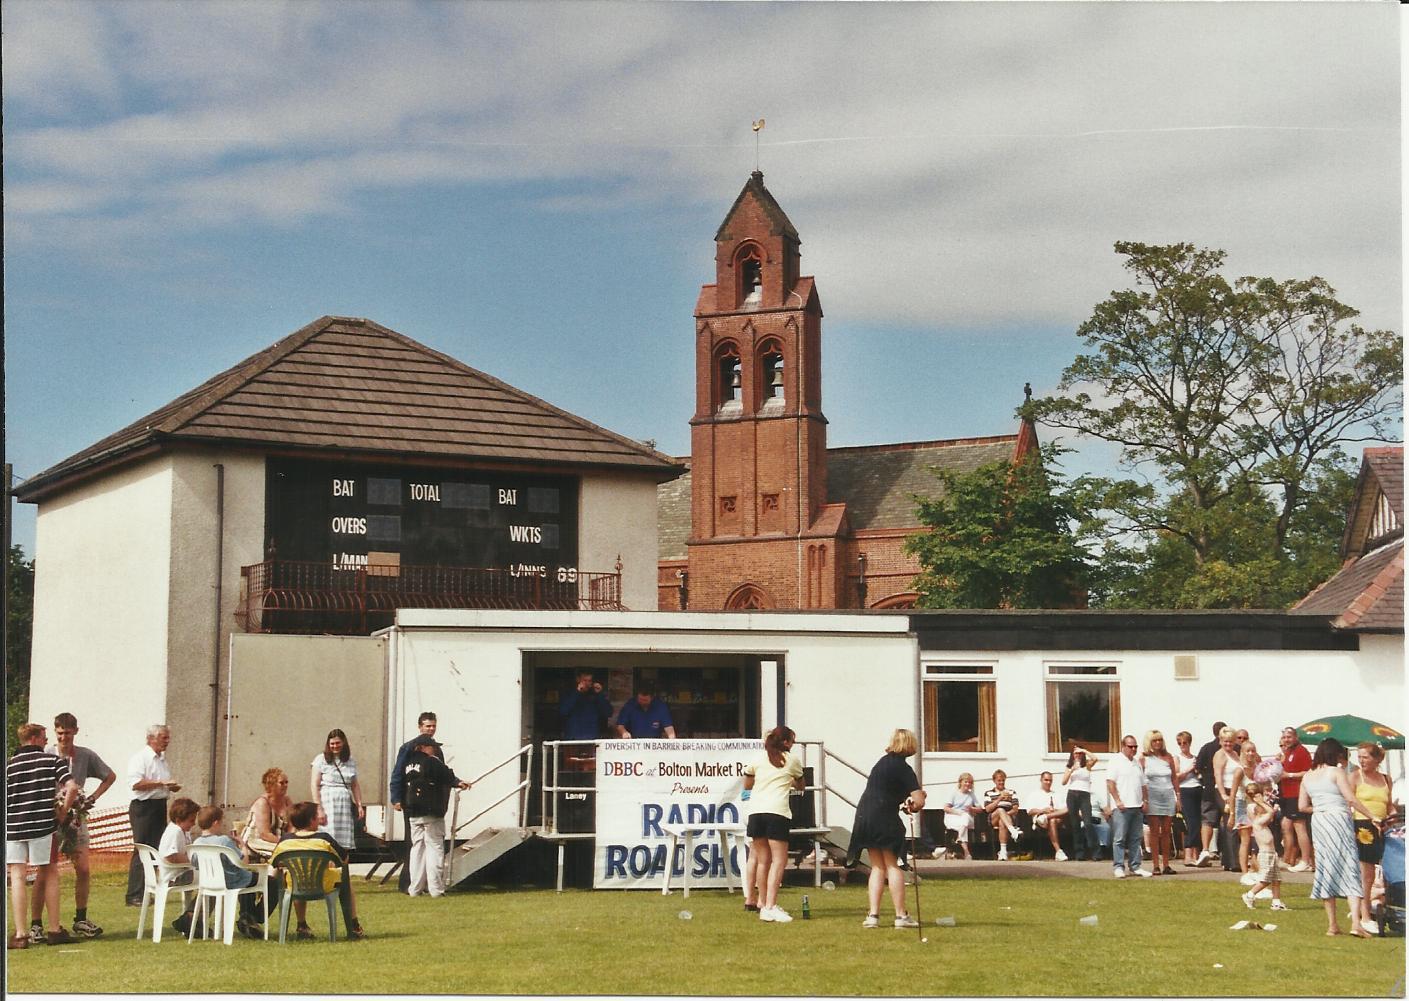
1012 936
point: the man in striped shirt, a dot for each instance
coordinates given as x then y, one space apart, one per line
31 777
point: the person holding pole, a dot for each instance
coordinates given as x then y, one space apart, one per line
770 822
891 785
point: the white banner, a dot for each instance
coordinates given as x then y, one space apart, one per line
642 784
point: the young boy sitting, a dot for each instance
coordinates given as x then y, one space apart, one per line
172 852
211 820
1269 874
305 836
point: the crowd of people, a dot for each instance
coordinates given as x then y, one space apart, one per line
46 817
1252 813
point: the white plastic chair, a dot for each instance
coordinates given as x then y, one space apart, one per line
156 888
210 887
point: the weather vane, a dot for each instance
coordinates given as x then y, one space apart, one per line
757 128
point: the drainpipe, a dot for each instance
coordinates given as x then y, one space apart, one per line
215 643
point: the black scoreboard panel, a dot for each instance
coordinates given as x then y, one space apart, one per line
335 512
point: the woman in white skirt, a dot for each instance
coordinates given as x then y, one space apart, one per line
1327 796
336 791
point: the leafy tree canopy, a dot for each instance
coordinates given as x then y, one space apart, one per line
1234 404
999 537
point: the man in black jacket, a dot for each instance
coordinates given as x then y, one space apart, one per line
426 724
425 796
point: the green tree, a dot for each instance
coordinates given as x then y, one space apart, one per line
19 619
999 537
1233 404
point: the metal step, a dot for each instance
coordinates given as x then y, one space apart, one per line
489 844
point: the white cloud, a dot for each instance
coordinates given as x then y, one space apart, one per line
979 159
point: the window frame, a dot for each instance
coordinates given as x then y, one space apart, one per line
1110 676
969 670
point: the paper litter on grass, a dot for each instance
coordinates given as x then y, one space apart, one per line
1251 926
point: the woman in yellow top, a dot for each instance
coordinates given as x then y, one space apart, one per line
1374 790
768 784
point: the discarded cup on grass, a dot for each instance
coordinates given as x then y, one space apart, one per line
686 916
945 922
827 884
1089 921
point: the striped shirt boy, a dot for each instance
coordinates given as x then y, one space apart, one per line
32 778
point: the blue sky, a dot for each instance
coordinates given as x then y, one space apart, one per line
533 188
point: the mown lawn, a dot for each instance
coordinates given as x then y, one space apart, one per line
1011 937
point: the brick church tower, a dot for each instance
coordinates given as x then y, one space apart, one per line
762 533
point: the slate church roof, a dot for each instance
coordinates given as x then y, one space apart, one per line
351 385
876 482
1367 594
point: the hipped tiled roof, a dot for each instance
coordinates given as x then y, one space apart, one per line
351 385
877 483
1366 595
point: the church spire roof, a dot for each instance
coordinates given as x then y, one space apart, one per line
782 225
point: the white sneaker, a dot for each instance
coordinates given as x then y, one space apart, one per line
872 921
1002 855
1118 873
777 914
1204 859
906 921
1142 873
1370 927
1248 878
1061 855
1247 898
1015 833
938 853
1277 905
1299 867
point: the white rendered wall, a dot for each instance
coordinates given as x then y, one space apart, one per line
101 611
1262 690
617 517
192 640
467 668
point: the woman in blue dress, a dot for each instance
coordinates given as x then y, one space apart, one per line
336 790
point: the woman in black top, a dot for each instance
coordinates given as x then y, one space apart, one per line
891 784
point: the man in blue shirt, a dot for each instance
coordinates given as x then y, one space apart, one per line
647 716
585 710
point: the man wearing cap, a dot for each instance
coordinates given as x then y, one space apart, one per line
426 724
425 795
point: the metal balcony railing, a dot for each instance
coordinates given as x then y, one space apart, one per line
288 596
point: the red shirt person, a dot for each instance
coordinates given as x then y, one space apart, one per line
1296 835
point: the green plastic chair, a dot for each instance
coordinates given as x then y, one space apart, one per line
305 871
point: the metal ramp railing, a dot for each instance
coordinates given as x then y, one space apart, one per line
471 854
